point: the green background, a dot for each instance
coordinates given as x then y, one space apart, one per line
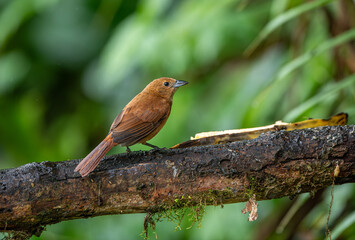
68 67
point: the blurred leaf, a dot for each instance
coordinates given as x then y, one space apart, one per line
15 13
318 70
277 7
13 67
344 224
192 36
281 19
259 76
64 35
331 90
327 45
11 17
283 73
300 200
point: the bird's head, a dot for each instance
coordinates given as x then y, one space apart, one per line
164 87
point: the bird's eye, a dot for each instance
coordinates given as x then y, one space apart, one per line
166 84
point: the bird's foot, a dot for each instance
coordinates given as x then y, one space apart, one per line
152 146
128 150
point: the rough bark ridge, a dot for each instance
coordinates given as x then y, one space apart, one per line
274 165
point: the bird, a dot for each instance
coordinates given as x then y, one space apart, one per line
138 122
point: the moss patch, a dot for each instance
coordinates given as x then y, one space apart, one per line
178 208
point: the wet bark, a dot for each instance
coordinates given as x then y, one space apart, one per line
273 165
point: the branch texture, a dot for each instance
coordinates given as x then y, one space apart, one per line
273 165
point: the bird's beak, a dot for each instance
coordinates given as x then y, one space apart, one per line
179 83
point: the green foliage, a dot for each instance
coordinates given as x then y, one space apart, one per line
282 19
68 67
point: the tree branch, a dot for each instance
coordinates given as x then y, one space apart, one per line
272 166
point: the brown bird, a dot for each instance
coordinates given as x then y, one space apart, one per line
139 121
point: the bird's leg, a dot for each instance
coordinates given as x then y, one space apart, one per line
151 145
127 149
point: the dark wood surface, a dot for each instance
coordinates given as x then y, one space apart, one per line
274 165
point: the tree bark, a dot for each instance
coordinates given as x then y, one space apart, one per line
273 165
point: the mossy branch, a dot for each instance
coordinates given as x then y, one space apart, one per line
274 165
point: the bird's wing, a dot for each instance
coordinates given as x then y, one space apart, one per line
133 126
117 120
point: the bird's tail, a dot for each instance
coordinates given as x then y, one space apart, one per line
89 163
